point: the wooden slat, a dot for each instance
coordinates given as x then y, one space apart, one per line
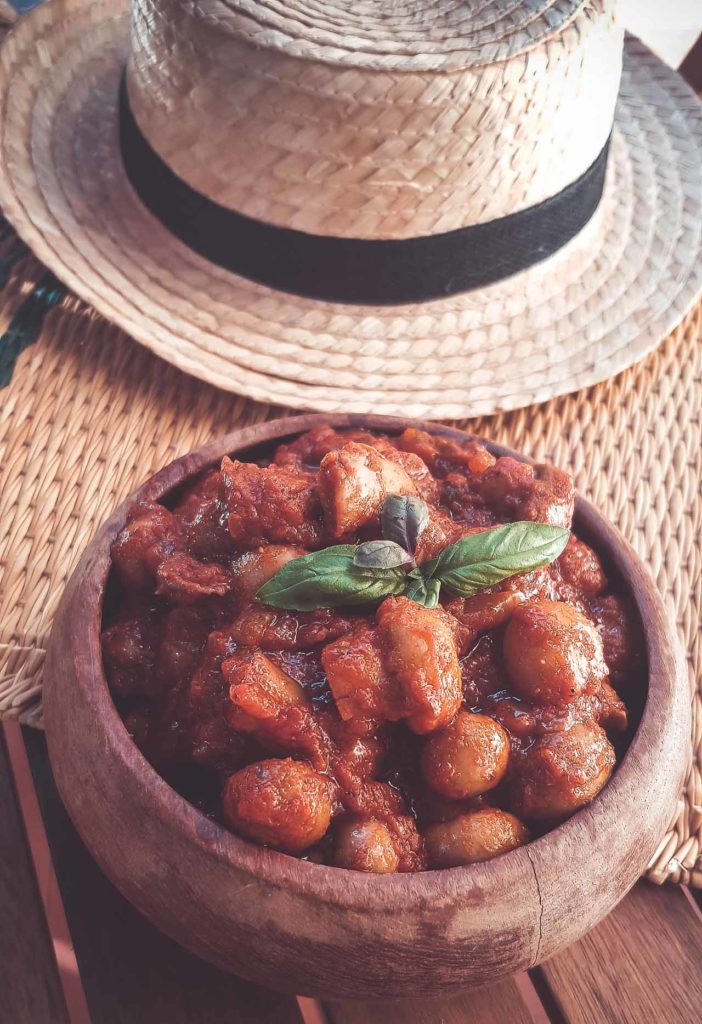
30 989
499 1004
642 964
131 973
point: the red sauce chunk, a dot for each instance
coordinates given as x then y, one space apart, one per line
385 736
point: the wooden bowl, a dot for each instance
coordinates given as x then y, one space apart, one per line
325 931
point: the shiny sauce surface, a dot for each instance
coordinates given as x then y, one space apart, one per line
383 737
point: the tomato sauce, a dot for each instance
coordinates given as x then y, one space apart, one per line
386 736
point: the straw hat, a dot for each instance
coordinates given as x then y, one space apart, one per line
418 206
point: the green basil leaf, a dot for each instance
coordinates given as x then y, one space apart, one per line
381 554
403 519
423 589
328 579
481 560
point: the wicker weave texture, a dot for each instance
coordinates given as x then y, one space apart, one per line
89 414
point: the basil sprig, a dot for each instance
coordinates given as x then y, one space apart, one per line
403 519
350 574
484 559
422 589
327 579
382 554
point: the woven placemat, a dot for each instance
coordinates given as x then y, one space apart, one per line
87 414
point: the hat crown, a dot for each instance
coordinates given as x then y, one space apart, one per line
252 106
427 35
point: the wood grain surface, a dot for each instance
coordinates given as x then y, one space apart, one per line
313 929
30 990
642 964
132 973
498 1003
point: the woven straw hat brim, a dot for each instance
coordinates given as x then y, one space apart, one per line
595 308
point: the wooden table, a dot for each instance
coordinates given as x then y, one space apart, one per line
72 950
